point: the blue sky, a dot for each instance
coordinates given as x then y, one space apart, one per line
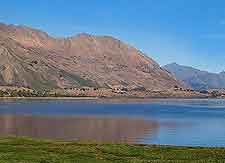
189 32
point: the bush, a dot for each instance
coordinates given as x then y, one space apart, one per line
140 88
215 94
2 93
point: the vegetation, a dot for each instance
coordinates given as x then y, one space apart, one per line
24 150
81 81
216 94
29 93
140 88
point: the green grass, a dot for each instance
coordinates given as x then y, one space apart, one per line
25 150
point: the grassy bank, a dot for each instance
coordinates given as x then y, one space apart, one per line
25 150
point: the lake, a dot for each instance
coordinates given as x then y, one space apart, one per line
182 122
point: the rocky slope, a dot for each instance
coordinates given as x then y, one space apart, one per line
197 79
32 58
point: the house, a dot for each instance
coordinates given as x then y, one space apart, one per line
119 89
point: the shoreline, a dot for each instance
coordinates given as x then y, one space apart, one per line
98 98
105 98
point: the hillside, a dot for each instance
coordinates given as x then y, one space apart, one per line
32 58
197 79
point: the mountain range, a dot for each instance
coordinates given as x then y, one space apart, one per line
195 78
32 58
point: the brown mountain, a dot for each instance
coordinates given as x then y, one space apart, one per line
29 57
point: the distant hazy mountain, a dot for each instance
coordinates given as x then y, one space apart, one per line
30 57
195 78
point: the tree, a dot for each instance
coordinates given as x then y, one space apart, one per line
2 93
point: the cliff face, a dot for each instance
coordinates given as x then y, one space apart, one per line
29 57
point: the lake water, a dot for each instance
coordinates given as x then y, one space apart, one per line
185 122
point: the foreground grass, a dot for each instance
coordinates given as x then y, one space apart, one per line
25 150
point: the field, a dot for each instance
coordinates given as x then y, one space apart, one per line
26 150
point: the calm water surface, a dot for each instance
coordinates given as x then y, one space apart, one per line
186 122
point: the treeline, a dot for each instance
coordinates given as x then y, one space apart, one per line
28 93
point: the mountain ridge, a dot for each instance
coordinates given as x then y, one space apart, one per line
32 58
195 78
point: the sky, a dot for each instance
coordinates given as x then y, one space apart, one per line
188 32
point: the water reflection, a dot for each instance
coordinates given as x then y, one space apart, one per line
115 130
194 122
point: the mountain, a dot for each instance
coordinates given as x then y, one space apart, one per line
32 58
195 78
